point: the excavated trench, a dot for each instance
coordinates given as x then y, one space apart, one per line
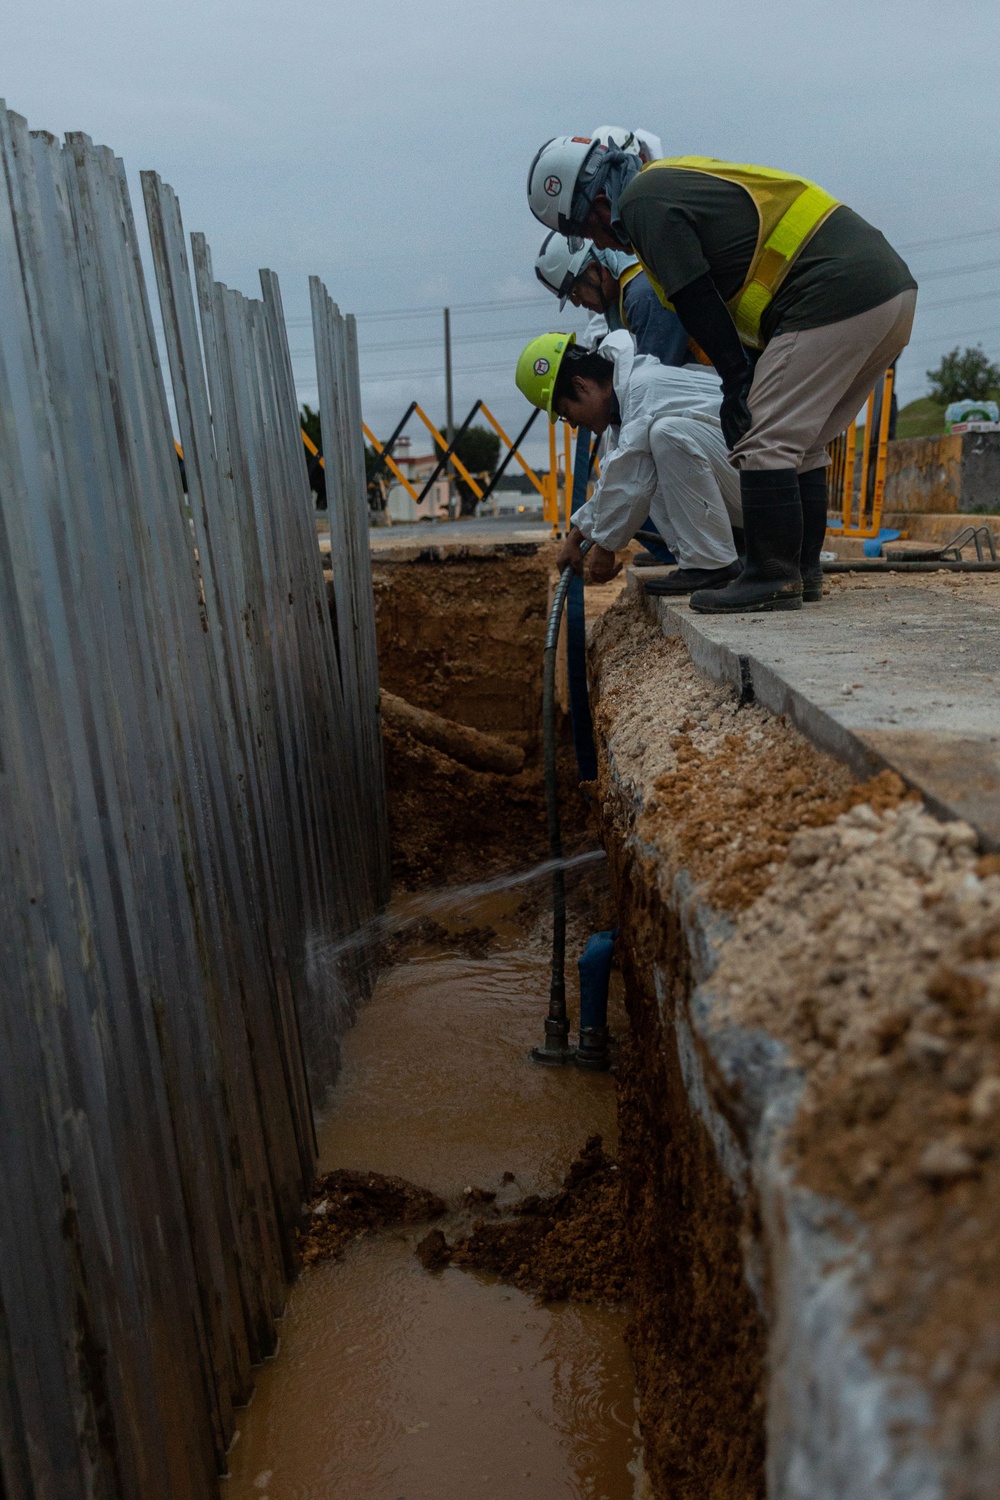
780 1256
458 1328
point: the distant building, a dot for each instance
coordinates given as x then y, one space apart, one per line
514 495
418 468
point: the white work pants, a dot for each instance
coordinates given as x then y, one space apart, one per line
697 499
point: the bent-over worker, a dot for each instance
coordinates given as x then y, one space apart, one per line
751 257
612 283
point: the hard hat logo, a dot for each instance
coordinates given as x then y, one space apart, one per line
538 368
552 177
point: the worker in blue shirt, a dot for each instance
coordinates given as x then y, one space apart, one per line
612 285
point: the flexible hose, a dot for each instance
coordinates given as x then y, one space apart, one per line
886 565
556 1046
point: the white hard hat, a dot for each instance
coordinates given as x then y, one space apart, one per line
553 177
617 135
560 262
641 142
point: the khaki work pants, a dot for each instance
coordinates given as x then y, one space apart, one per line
810 384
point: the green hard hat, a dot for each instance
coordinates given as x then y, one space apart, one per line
538 367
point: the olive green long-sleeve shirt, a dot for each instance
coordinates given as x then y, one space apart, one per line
683 223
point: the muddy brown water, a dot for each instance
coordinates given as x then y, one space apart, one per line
391 1383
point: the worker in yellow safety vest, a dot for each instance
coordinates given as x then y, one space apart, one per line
751 259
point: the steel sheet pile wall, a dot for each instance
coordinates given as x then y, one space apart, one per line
190 807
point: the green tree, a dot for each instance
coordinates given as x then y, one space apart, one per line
310 425
960 377
479 450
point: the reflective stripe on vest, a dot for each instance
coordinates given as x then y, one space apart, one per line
789 211
629 274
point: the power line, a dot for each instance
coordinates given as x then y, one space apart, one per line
949 239
496 305
462 338
969 333
957 301
435 373
465 338
947 271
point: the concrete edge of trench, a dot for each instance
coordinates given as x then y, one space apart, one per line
948 753
839 1427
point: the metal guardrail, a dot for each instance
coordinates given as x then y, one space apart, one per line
191 820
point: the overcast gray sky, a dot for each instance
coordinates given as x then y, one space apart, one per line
385 146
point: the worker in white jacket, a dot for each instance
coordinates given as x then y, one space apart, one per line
666 456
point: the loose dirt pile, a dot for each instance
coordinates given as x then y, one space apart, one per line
868 940
348 1205
725 787
875 955
571 1244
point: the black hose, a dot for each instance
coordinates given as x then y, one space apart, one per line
555 1049
885 565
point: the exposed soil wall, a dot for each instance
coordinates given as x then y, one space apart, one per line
461 633
725 789
811 1114
695 1333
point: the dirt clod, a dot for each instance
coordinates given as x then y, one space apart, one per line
347 1204
570 1244
478 1195
433 1251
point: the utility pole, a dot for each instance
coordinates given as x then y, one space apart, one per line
449 427
450 409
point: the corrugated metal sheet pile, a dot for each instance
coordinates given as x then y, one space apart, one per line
192 819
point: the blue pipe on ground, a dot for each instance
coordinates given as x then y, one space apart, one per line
594 966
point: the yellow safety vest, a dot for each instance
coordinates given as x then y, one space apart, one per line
789 211
627 275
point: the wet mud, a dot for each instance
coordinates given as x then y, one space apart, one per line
570 1244
393 1380
346 1206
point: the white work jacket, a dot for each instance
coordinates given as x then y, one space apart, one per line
647 390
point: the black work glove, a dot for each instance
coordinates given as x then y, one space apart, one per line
706 318
734 414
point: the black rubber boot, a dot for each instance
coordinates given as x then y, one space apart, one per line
812 488
686 580
772 524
